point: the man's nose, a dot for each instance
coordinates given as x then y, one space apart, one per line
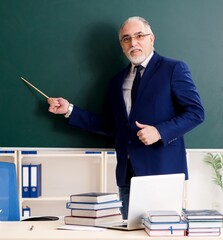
133 41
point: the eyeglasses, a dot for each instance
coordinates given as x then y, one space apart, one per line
138 37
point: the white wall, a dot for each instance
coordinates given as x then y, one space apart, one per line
201 192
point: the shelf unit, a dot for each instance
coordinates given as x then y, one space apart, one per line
73 171
64 172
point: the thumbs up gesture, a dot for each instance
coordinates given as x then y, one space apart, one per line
147 134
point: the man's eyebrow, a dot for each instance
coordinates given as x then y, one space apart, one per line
139 33
128 35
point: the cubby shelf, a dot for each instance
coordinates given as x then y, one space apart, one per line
64 172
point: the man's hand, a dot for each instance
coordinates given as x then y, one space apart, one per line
147 134
58 105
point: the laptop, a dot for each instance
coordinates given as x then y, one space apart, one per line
156 192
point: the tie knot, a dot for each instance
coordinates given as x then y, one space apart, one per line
138 68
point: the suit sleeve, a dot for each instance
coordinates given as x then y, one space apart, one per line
92 122
190 111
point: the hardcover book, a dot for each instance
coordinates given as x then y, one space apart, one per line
205 224
204 230
164 226
163 233
202 214
163 216
94 197
94 206
94 213
199 234
92 221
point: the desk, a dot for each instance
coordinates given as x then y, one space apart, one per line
47 230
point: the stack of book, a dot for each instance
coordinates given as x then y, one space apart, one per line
203 222
93 209
164 223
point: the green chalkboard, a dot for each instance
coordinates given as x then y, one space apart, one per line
70 48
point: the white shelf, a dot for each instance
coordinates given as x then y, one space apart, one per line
64 172
61 155
45 198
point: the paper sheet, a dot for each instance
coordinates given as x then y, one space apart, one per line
80 228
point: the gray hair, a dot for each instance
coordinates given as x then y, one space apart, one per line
136 18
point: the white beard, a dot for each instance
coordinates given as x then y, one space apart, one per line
137 59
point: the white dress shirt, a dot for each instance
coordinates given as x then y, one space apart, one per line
127 85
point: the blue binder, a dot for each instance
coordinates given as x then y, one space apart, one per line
25 180
35 180
9 202
26 212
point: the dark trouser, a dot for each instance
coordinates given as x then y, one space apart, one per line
124 197
125 190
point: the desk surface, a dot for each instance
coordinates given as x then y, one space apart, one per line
48 230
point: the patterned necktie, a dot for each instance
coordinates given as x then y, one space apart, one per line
136 82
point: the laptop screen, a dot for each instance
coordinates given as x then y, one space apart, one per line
157 192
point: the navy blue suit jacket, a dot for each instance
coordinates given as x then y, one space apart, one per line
167 99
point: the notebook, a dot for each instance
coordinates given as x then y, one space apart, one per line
156 192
